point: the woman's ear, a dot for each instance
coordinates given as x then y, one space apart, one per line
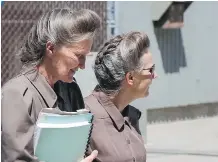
129 78
49 48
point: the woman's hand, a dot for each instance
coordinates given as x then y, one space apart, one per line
91 157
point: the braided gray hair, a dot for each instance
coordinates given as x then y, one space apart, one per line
118 56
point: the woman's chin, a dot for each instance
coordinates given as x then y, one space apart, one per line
68 79
146 93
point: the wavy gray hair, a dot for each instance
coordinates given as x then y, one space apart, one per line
118 56
60 26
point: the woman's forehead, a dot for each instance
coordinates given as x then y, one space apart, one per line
81 47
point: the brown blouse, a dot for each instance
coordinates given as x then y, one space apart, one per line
113 136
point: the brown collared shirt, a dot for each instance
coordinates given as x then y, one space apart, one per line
23 97
113 135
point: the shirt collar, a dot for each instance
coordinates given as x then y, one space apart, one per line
110 108
42 86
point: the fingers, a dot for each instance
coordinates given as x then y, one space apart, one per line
91 157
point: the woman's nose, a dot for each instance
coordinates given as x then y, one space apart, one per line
82 66
82 62
155 75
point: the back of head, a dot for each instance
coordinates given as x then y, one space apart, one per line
59 26
118 56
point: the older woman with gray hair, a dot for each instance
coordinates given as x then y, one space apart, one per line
54 50
124 70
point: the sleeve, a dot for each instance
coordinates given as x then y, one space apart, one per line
17 128
89 151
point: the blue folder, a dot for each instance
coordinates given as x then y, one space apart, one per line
62 137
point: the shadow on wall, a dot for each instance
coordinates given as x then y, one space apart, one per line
171 47
180 113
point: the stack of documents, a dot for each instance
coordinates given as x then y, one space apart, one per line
62 136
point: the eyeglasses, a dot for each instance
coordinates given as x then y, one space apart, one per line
151 69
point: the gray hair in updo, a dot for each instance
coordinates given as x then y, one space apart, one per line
60 27
118 56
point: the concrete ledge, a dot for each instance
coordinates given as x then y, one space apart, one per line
177 151
182 112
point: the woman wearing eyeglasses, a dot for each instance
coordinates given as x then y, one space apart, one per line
124 70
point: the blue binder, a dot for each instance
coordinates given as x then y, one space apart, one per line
62 136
